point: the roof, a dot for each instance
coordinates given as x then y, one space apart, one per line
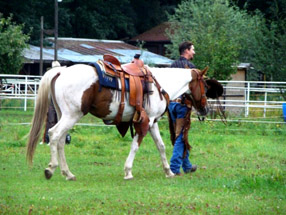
244 66
78 50
156 34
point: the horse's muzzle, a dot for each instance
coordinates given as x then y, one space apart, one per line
203 111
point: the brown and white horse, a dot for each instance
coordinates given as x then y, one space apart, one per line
75 92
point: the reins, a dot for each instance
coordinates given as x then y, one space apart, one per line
221 112
189 101
201 83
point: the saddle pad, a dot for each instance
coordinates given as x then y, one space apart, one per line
108 81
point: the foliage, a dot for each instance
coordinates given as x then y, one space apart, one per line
12 43
269 56
273 10
103 19
114 19
223 33
220 32
241 171
270 48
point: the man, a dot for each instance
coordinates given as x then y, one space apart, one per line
52 118
177 111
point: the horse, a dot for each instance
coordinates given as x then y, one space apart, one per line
75 92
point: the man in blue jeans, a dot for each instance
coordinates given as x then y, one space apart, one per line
52 120
178 111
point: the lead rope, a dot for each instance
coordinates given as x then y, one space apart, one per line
221 112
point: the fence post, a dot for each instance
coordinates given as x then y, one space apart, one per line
35 94
26 93
265 103
247 100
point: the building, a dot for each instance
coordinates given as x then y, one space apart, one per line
75 50
154 40
235 92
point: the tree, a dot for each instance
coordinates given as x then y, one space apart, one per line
270 43
149 13
12 44
273 10
270 56
113 19
220 32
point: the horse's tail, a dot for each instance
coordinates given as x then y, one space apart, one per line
40 112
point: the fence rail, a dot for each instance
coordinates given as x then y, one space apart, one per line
20 87
239 96
243 95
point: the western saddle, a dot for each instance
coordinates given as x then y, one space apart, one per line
138 75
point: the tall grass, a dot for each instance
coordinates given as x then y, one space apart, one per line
242 170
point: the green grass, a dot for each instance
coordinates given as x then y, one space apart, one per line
17 104
242 170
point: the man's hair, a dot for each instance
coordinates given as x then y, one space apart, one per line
184 45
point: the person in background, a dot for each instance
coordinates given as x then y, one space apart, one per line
177 113
52 118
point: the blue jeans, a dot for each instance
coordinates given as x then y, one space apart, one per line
178 111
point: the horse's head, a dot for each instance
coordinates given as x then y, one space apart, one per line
202 89
198 88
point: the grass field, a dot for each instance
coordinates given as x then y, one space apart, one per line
242 170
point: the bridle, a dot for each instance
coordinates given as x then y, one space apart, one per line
202 84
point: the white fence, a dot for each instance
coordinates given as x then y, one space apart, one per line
19 87
243 95
239 96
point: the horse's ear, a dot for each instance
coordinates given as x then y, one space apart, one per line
204 71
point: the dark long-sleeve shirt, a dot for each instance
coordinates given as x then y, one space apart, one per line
182 63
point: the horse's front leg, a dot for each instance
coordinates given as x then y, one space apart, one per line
155 133
129 161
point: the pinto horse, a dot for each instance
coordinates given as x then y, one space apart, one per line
75 92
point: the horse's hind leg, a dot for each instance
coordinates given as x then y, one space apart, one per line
54 161
155 133
57 142
129 161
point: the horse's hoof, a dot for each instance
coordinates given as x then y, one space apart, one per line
129 177
170 174
73 178
48 174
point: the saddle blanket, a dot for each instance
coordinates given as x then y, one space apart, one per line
107 80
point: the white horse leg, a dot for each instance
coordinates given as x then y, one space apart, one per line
63 164
155 133
129 161
54 161
57 142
